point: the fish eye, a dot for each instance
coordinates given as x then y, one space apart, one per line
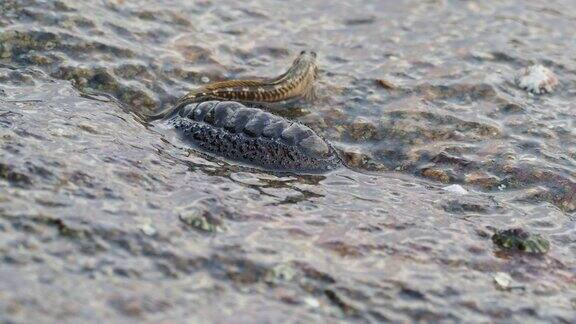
313 54
303 52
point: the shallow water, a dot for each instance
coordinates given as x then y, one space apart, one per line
99 210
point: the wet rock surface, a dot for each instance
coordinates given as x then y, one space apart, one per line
104 217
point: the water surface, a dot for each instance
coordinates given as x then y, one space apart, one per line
98 209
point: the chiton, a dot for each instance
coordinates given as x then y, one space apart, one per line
250 135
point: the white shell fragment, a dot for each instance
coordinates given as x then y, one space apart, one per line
502 280
456 188
148 229
537 79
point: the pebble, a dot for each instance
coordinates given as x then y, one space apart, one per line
503 280
386 84
312 302
457 189
148 229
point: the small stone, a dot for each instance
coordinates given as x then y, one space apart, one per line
354 157
436 174
202 220
312 302
537 79
502 280
362 129
512 108
456 188
6 50
61 132
482 179
386 84
148 229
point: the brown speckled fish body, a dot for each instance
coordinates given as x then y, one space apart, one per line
296 82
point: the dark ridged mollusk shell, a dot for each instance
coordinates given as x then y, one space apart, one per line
236 132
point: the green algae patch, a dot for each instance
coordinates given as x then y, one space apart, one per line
517 239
